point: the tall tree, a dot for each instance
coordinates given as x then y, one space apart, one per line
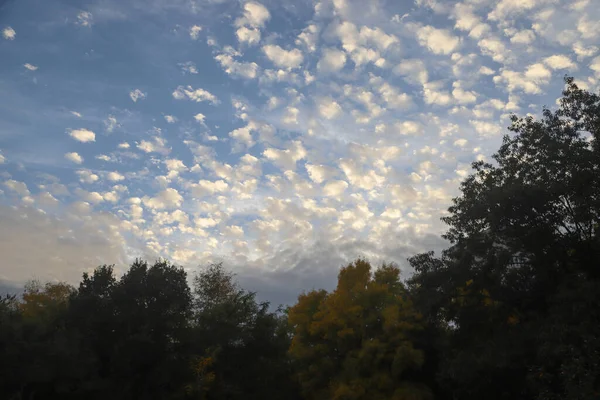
239 345
512 295
357 342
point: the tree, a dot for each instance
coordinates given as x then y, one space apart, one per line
357 342
512 295
238 346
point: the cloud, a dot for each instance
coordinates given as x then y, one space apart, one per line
250 36
255 15
167 199
559 62
123 145
195 32
30 67
17 187
57 246
189 67
286 159
85 18
136 95
114 177
414 70
9 33
334 188
74 157
242 138
170 119
328 108
205 187
525 36
83 135
494 48
87 176
111 123
283 58
236 68
308 38
197 95
595 66
438 41
332 60
155 145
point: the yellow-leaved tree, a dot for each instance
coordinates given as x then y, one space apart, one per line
357 342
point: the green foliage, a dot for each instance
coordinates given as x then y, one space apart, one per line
357 342
512 298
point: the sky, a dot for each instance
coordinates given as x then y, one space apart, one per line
282 138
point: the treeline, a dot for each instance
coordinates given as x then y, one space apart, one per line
511 310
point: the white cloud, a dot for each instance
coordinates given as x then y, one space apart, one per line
189 67
332 60
233 67
560 62
334 188
525 36
486 128
308 38
494 48
286 159
506 8
195 32
170 119
595 66
9 33
365 180
200 118
438 41
516 80
409 128
175 167
251 36
87 176
255 14
136 95
83 135
197 95
75 113
205 187
319 173
463 96
486 71
111 123
155 145
242 138
414 70
85 18
30 67
328 108
167 199
17 187
115 176
123 145
283 58
584 51
291 116
74 157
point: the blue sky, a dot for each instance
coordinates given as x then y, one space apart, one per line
282 138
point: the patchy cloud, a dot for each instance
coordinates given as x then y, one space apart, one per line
282 149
